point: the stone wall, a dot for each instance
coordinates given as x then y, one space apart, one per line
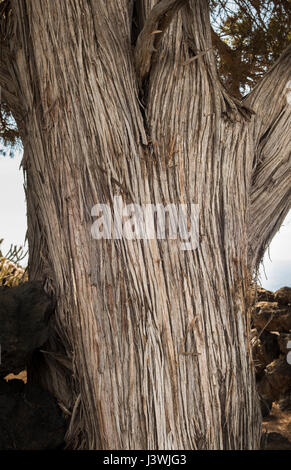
271 344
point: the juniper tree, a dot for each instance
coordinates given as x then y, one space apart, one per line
150 346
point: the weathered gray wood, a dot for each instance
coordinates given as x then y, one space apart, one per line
150 37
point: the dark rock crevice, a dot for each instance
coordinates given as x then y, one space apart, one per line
30 418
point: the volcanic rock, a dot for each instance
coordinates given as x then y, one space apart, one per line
283 296
271 316
24 327
30 418
276 381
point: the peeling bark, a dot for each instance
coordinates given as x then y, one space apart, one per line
149 39
271 182
158 338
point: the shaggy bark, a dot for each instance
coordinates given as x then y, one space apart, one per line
155 341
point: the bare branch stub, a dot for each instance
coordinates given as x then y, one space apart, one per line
151 35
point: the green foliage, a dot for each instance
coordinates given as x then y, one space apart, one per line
255 33
9 136
8 129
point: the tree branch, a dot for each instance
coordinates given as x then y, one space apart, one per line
232 61
271 183
152 33
269 97
8 94
8 91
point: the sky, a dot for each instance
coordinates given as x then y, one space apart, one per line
12 203
275 272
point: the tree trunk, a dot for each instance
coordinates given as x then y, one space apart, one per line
155 340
